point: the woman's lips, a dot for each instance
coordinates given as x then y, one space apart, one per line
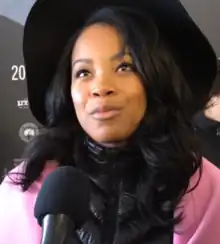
105 112
106 115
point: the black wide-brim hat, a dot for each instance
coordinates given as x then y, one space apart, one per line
51 23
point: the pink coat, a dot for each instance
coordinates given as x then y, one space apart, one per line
201 224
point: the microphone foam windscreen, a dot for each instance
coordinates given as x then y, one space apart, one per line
64 191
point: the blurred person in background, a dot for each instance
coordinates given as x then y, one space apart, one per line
207 124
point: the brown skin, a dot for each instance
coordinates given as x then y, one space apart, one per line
103 80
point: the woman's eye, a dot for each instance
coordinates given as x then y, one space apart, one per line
82 73
125 67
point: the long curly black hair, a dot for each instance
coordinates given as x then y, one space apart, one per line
165 136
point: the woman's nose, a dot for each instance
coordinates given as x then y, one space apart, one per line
102 92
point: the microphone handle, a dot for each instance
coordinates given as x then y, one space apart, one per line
57 229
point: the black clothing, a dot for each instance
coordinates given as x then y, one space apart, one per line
208 132
114 218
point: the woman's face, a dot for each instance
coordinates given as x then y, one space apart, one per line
108 96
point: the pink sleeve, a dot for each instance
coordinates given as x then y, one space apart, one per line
17 221
201 208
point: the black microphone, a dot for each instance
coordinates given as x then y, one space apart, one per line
62 204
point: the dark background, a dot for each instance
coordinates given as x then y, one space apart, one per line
17 126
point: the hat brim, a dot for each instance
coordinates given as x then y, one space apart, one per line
50 24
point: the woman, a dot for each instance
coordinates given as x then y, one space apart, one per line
111 84
207 123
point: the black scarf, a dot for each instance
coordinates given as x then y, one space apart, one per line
114 216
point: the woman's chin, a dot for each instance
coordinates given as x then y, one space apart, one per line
110 136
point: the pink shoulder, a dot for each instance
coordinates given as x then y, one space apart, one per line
200 207
16 207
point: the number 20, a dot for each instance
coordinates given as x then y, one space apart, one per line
19 72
